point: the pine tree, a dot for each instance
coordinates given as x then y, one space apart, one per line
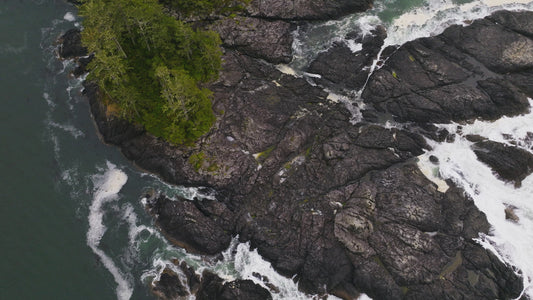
151 66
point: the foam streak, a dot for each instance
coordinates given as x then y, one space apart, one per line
107 187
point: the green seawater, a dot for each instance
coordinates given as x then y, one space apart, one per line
52 162
50 158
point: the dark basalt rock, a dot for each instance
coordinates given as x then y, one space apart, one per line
82 65
169 286
339 205
207 287
341 69
306 9
510 163
259 38
189 227
458 76
70 44
213 288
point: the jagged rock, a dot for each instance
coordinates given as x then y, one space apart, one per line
339 205
418 246
457 76
213 288
510 214
510 163
340 68
259 38
188 226
306 9
169 286
82 65
70 44
207 287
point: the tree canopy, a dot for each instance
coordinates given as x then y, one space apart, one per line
152 66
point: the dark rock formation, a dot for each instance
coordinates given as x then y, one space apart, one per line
259 38
188 227
342 69
458 75
265 30
213 288
306 9
510 163
207 287
70 44
169 286
341 206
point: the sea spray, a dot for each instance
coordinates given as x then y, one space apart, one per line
430 18
107 185
509 240
248 263
437 15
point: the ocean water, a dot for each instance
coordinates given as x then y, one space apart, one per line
73 224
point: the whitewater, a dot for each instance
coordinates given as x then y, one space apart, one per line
131 249
510 241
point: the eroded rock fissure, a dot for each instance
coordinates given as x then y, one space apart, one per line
354 213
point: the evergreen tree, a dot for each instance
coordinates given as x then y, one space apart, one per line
152 66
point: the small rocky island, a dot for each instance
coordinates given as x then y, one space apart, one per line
342 206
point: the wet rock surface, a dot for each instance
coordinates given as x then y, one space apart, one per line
342 69
510 163
264 30
70 44
213 288
458 75
169 286
341 206
208 286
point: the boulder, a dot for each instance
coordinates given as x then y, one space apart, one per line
169 286
70 44
214 288
509 162
208 286
187 226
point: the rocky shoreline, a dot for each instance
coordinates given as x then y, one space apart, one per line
341 206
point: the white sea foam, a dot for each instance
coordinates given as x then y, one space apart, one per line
246 262
423 21
437 15
49 100
107 185
511 241
189 193
75 132
508 130
69 17
135 229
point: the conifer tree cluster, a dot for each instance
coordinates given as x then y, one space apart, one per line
151 67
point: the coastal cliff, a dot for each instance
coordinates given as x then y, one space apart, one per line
342 206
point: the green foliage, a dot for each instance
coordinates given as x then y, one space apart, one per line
203 8
262 156
152 66
197 160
